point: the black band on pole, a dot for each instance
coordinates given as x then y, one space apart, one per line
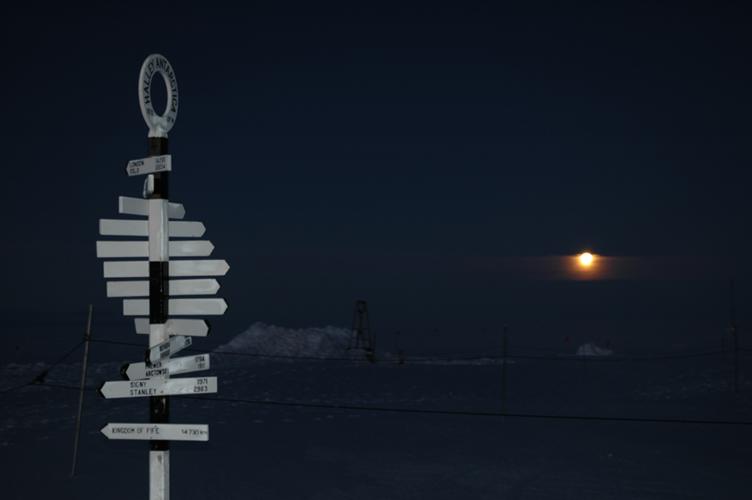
158 291
159 280
158 147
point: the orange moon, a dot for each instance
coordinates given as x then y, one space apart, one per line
586 259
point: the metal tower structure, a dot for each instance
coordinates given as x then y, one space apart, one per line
362 337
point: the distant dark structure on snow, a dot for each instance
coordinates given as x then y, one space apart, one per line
362 337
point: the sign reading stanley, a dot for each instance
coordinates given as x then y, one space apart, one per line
154 238
157 387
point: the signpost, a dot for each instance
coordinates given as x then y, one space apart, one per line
140 268
168 348
177 287
158 387
180 248
169 432
178 307
132 227
173 366
167 336
192 327
149 165
138 206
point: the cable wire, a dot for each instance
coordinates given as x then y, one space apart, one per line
429 359
433 411
438 411
39 378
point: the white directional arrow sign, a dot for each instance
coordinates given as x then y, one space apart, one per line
178 268
173 366
177 287
126 269
179 248
194 287
192 327
183 229
158 387
167 349
114 249
139 206
149 165
133 227
178 307
162 432
190 248
123 227
198 267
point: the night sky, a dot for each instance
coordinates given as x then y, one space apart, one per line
438 162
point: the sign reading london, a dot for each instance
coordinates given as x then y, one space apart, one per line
149 165
157 266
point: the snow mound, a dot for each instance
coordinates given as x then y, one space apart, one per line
263 339
591 349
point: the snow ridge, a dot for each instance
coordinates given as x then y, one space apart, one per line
262 338
590 349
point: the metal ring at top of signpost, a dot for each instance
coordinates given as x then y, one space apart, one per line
158 125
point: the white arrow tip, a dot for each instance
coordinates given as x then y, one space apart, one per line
179 211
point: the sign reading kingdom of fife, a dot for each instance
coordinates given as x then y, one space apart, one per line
163 252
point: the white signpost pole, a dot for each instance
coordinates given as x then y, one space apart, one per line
157 192
151 378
